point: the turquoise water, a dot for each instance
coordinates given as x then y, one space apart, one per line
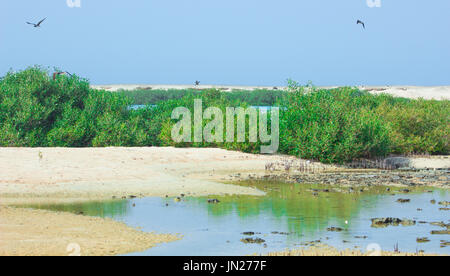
289 216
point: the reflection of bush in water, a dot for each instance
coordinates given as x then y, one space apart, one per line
295 205
98 209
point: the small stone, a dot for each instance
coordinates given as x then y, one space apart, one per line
443 232
385 222
335 229
422 240
440 224
401 200
253 241
213 201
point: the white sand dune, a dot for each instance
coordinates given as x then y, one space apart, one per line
413 92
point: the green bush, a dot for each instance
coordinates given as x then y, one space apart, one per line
418 126
31 103
210 98
36 110
332 126
259 97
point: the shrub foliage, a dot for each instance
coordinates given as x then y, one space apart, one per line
332 126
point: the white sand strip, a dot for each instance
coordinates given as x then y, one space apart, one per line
413 92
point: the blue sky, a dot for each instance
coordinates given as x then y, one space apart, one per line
235 42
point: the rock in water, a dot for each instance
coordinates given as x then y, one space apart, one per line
385 222
335 229
443 232
213 201
253 241
422 240
402 200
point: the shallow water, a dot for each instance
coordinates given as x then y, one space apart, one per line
291 210
142 106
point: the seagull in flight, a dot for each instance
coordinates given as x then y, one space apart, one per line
38 24
197 83
362 23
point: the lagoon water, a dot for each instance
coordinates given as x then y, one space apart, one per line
139 106
289 216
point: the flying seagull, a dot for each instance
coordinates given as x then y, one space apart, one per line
362 23
197 83
38 24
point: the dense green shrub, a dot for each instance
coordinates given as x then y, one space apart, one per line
153 97
36 110
31 103
210 98
418 126
331 125
328 125
259 97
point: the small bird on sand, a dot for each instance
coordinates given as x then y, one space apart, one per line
38 24
362 23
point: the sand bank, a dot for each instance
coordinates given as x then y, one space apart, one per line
413 92
28 232
64 174
31 175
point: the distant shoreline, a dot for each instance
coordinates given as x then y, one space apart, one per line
413 92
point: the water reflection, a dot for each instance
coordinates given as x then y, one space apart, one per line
301 212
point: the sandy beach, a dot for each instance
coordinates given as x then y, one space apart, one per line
64 174
31 175
413 92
